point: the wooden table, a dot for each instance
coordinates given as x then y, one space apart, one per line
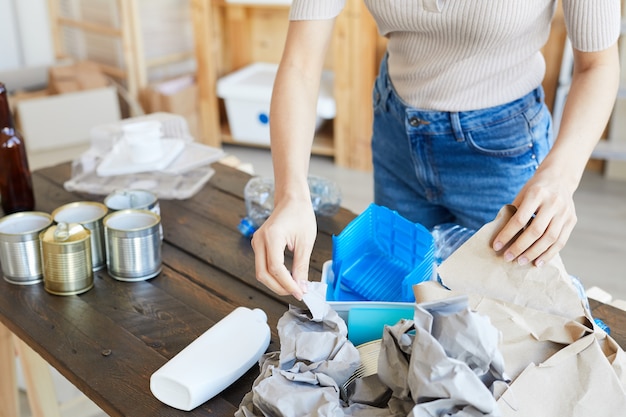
109 340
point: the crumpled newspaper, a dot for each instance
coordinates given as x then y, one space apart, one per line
445 362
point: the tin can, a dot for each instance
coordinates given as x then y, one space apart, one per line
133 244
133 199
66 257
89 214
20 249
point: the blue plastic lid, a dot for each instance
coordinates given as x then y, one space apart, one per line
246 227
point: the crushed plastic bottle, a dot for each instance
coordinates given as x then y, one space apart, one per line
449 237
259 199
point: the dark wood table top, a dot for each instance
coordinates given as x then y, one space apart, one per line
110 339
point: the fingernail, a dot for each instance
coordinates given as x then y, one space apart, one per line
522 260
539 263
497 246
509 256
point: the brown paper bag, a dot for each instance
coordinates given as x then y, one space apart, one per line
559 362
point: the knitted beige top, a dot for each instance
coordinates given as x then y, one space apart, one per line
456 55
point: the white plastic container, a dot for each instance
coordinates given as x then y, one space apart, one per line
213 361
247 94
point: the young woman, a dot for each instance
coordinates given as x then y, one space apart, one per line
460 126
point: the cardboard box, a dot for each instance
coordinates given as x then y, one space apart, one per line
83 75
177 96
60 120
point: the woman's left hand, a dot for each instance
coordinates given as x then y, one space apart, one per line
545 216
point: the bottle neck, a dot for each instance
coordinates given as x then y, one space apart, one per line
6 120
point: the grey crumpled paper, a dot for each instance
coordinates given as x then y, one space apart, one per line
445 362
316 357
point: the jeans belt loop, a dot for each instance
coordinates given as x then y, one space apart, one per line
457 129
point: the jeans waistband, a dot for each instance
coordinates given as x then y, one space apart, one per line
441 122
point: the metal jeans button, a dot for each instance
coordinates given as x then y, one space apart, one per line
415 121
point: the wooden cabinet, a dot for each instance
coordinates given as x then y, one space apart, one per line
229 36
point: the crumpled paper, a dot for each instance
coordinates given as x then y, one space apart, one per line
560 362
316 357
445 362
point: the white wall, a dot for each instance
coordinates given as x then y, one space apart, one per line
35 34
9 44
25 42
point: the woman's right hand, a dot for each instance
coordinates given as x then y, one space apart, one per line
293 107
291 226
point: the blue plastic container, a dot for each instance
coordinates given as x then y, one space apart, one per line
379 256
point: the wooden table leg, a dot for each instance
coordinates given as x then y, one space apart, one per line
39 385
9 405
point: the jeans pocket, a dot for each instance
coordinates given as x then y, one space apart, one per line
514 136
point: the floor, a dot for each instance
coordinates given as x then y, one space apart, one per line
596 252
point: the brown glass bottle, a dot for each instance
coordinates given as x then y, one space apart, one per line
16 186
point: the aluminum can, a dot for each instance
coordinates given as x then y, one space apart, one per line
89 214
20 249
132 199
133 244
66 258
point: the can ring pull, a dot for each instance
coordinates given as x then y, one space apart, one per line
62 232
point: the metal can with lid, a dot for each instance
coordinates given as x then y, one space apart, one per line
20 249
133 244
89 214
66 257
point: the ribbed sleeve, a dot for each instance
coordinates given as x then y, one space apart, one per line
315 9
592 25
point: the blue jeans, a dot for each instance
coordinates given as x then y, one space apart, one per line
437 167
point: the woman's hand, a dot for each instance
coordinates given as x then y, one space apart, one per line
545 216
293 107
547 198
291 226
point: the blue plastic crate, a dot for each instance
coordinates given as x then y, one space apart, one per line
379 256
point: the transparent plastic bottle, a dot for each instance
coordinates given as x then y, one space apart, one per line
449 237
259 199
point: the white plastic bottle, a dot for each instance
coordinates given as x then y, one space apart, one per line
213 361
